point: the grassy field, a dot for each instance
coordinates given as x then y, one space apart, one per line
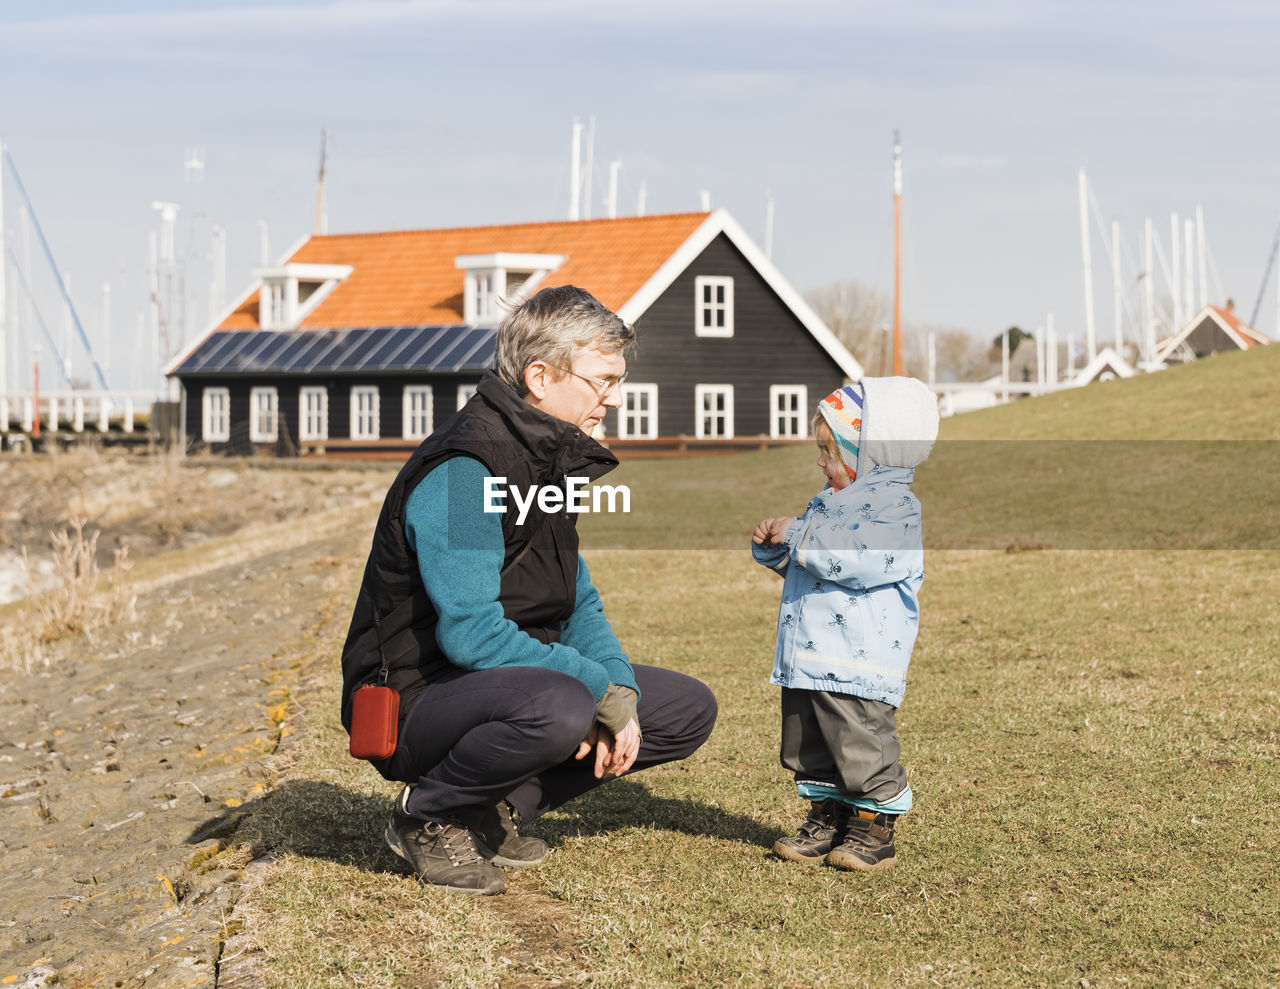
1090 727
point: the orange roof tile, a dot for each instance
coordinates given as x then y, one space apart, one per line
1247 333
408 277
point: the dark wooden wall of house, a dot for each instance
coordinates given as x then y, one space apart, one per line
390 406
769 346
1209 338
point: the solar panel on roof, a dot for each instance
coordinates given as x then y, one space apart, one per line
338 345
369 341
418 348
427 356
265 357
390 340
209 348
482 359
457 347
299 341
248 342
247 359
317 342
474 342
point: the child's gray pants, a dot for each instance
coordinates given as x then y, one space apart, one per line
842 741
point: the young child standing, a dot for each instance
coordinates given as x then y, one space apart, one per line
852 566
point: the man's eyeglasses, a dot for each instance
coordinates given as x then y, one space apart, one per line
602 385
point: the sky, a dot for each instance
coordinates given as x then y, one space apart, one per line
451 113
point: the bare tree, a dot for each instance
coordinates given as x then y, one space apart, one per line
862 318
856 314
963 357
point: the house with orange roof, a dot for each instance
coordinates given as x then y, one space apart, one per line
372 341
1212 330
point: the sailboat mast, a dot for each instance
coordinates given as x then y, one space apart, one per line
897 254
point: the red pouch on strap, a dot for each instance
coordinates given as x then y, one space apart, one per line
375 713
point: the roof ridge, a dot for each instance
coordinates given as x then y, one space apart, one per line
508 226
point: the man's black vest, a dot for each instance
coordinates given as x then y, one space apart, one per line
540 569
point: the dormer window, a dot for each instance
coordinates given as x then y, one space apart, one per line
486 300
290 292
501 277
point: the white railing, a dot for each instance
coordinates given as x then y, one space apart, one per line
76 411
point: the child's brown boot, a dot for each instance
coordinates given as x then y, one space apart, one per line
821 831
867 844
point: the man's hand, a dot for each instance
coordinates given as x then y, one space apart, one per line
615 754
772 530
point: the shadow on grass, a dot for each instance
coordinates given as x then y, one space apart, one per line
626 803
320 820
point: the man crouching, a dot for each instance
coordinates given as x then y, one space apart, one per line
514 694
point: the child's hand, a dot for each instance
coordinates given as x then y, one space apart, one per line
772 530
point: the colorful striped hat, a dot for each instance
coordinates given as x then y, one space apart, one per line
842 412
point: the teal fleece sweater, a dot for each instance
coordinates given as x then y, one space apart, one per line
463 584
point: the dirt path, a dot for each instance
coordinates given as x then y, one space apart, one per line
125 762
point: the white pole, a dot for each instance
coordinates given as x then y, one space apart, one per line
1149 297
28 321
153 276
1004 363
640 197
67 324
1090 340
704 200
1071 357
1117 287
139 342
1175 286
1204 271
614 166
264 243
106 326
768 229
1039 342
218 290
575 169
1189 232
1051 341
4 271
590 167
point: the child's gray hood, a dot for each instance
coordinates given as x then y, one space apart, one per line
899 422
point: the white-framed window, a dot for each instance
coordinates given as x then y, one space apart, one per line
364 412
278 312
264 403
638 417
713 409
788 408
713 306
464 394
313 413
417 412
215 425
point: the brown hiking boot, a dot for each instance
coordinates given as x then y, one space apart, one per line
868 842
442 853
498 840
821 831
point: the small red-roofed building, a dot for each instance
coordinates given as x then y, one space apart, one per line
371 341
1212 330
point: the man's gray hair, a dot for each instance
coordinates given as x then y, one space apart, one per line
550 325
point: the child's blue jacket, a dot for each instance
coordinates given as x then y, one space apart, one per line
852 566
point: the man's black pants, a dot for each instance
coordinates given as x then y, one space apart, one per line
474 738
